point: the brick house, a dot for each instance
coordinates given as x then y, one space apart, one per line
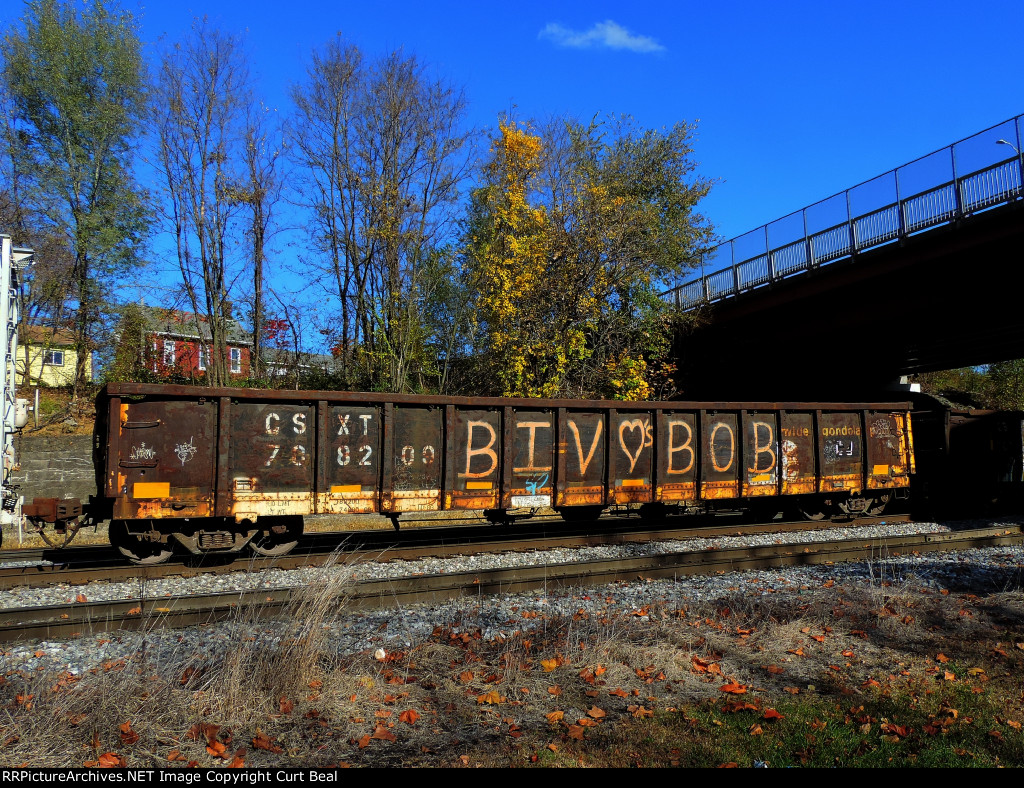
179 342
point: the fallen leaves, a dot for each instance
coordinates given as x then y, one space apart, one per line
409 716
734 688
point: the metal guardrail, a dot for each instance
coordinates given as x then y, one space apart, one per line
831 230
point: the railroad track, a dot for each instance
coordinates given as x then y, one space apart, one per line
75 566
92 618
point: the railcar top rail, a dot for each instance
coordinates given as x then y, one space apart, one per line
967 177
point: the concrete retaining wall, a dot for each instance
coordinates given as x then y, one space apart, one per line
55 466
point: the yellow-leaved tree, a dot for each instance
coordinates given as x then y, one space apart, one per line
569 241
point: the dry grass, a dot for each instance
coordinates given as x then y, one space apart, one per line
841 662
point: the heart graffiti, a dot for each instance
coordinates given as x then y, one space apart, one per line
636 425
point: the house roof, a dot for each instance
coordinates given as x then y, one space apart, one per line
47 336
189 325
280 357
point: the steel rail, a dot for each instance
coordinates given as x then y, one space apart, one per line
140 614
364 546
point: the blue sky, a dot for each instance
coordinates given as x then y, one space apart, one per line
795 100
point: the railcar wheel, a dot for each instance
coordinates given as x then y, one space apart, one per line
877 505
278 537
815 511
138 551
580 514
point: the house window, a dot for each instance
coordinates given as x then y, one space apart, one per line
204 357
236 360
53 358
169 358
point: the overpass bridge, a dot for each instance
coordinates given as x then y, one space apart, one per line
916 270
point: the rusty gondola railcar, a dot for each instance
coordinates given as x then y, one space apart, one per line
217 470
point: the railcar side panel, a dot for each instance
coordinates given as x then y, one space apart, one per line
630 457
582 444
797 453
474 448
164 463
677 456
271 459
886 450
720 477
414 439
351 458
761 453
530 462
841 452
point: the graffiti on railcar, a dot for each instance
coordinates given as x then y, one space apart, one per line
720 466
797 457
679 440
762 453
533 447
841 450
478 447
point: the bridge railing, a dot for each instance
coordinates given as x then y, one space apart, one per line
967 177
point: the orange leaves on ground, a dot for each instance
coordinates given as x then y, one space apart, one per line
900 731
699 665
734 688
364 742
108 760
576 732
619 693
756 730
550 664
135 611
81 598
555 716
640 712
238 761
383 734
409 716
772 714
554 691
798 651
175 755
732 708
466 676
24 700
286 706
128 736
818 638
492 698
264 742
791 690
775 670
217 749
596 713
940 657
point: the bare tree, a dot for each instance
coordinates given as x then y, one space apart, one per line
203 96
259 192
384 154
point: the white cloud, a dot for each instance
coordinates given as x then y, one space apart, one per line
607 35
